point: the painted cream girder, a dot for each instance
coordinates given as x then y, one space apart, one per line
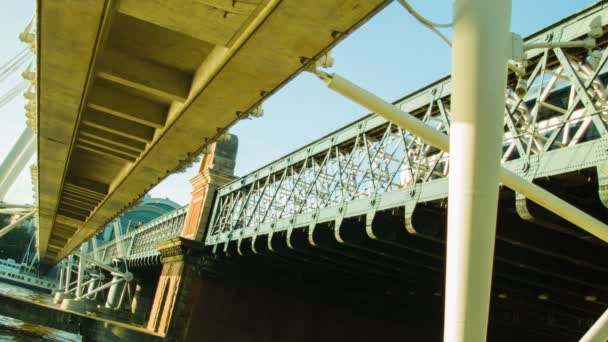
130 90
372 165
139 245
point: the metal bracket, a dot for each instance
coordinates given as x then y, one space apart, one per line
369 220
602 182
239 248
311 228
410 207
521 207
528 171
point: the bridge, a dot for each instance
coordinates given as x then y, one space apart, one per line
121 82
361 213
139 245
352 225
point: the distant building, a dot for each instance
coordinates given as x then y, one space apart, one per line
146 210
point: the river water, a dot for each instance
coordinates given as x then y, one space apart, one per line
15 330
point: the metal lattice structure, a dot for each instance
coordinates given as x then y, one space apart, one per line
370 165
139 245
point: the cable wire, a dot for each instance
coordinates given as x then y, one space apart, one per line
429 24
13 92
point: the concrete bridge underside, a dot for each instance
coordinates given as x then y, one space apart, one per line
131 90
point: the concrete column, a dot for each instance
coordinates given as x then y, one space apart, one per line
480 51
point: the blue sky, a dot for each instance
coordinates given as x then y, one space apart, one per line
391 55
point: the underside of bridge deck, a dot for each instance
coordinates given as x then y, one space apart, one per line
549 278
130 90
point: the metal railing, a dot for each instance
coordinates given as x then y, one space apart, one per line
139 245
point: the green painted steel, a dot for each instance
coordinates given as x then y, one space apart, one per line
371 165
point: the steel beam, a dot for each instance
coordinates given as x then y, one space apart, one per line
598 331
16 160
16 224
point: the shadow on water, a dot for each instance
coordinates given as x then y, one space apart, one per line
15 330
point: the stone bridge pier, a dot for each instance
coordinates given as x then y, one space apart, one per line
195 303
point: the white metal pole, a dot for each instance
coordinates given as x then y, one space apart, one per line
60 284
69 287
480 51
68 274
100 264
598 331
15 224
16 160
438 139
80 278
102 287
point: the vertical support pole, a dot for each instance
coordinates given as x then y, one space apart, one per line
115 292
61 273
68 274
92 286
80 279
598 331
480 51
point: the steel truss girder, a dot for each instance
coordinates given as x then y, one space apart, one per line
139 245
581 156
371 156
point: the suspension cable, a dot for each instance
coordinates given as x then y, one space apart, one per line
13 92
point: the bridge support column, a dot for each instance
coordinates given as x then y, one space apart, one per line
68 274
80 279
116 289
217 168
60 282
198 301
178 274
173 302
142 300
479 58
92 286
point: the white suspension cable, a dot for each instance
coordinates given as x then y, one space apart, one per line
13 92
